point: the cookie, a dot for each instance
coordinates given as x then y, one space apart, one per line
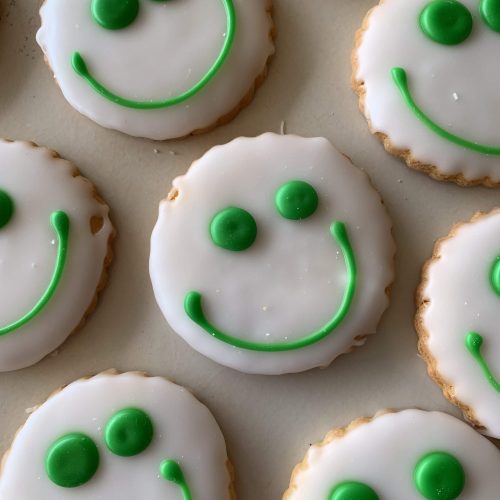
272 255
411 454
55 238
159 69
427 84
457 322
123 436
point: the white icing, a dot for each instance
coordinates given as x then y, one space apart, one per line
384 452
291 281
39 184
462 300
457 86
184 431
168 48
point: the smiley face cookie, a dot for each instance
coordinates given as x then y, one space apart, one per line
272 254
121 437
457 319
428 85
157 68
411 454
54 250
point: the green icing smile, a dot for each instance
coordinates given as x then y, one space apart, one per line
119 22
60 223
194 309
401 81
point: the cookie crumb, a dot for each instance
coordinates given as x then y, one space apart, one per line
455 96
283 127
156 151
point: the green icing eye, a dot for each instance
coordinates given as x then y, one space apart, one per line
72 460
296 200
446 21
128 432
490 12
352 490
495 275
6 208
439 476
114 14
233 229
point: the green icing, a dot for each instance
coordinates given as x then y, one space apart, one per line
352 490
194 309
446 21
490 12
473 343
60 223
171 471
72 460
128 432
439 476
495 275
6 208
401 81
233 229
296 200
114 14
80 67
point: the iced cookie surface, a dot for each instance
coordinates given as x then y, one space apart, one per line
124 436
427 83
272 254
157 68
54 250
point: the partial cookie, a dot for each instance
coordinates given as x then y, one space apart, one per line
272 255
457 318
428 86
55 239
410 455
121 437
157 68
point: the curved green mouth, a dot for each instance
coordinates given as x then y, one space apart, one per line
401 81
194 309
171 471
79 65
60 223
473 343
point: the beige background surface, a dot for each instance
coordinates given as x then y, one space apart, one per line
268 421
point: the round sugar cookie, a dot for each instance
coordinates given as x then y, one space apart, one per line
159 69
457 318
124 437
427 79
410 455
55 238
272 255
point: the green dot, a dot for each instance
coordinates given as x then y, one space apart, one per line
352 490
296 200
171 471
490 12
128 432
72 460
233 229
446 21
6 208
495 275
115 14
439 476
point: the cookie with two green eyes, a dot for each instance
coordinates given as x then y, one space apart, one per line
427 78
55 248
118 436
410 455
272 255
457 319
159 69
